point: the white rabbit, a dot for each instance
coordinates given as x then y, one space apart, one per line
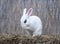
30 22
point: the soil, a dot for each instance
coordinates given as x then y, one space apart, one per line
23 39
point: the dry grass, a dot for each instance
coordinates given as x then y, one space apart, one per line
21 39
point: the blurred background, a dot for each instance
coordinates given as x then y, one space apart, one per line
12 10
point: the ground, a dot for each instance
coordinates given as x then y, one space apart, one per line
22 39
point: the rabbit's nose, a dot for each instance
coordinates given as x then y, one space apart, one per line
27 25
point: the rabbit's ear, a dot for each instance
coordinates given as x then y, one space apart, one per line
24 11
29 12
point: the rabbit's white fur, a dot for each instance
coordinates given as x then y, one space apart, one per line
32 23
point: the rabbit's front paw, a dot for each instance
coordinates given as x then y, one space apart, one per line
33 36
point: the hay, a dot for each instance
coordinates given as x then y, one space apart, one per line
21 39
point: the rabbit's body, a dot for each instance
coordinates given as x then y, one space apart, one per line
36 23
32 23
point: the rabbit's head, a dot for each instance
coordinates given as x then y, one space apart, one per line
25 17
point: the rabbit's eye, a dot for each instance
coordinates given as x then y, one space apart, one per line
25 21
